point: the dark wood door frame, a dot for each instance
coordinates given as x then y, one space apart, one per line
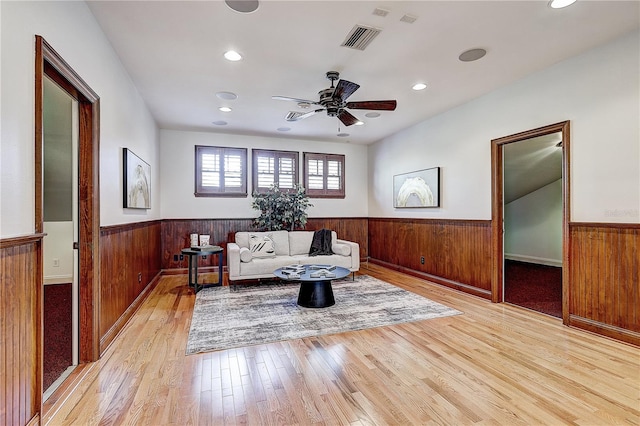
49 63
497 208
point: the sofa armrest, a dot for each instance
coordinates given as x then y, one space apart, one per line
355 254
233 261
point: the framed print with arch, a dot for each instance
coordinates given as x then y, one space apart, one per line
137 181
417 189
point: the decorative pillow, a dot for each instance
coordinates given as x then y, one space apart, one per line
261 246
341 249
245 255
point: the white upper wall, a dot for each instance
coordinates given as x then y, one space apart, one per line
125 121
177 156
598 92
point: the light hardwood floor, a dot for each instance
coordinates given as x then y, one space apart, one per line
494 365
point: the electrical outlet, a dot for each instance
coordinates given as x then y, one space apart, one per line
175 257
182 257
56 263
422 260
139 277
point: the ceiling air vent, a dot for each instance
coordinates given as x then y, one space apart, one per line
360 37
293 115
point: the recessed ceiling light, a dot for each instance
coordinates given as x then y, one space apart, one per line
243 6
232 55
559 4
419 86
284 129
228 96
220 123
359 123
472 55
342 135
372 115
225 109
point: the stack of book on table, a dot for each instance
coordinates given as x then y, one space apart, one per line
322 271
293 272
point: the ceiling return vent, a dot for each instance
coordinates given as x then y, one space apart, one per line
360 37
293 115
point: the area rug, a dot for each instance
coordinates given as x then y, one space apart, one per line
224 318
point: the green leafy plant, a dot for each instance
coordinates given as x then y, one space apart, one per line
281 209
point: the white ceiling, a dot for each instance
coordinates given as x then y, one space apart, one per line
173 52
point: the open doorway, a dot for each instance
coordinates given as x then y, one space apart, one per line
60 207
532 206
525 211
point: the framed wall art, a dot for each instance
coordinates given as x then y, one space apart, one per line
137 181
417 189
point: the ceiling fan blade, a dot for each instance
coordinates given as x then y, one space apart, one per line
347 118
373 105
296 115
286 98
344 89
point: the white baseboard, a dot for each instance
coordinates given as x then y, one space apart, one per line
58 279
533 259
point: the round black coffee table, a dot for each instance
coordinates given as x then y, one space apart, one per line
315 283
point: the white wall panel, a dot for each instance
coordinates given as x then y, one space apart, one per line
177 158
598 91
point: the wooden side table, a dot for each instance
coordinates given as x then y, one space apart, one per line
193 266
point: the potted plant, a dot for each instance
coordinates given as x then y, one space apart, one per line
281 209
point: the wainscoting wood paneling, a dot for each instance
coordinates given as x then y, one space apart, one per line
20 330
605 279
175 235
457 253
130 261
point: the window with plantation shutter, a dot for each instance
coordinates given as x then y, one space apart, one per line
274 167
220 172
324 175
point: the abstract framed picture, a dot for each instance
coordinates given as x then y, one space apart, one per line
137 181
417 189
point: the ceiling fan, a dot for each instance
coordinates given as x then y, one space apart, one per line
334 101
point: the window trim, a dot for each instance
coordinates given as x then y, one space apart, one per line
199 191
255 153
325 192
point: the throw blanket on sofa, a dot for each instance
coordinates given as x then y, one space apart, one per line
321 244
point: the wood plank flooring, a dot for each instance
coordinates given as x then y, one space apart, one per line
494 365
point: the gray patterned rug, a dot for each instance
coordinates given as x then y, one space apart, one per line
250 315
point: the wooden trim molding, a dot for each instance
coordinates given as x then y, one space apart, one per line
602 329
20 241
49 63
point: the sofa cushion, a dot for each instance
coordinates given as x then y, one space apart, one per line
300 242
280 240
265 266
341 249
261 246
245 255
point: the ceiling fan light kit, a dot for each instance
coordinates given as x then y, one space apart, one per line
333 100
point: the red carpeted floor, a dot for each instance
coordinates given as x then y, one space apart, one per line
532 286
57 332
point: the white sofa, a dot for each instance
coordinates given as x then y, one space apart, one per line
291 247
